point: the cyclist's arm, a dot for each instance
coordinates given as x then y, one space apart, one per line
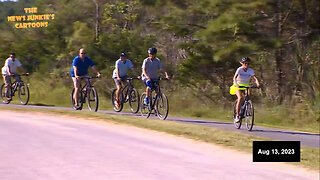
165 73
257 81
145 73
95 70
22 69
9 71
75 69
235 80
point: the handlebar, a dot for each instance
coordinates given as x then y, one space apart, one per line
25 74
250 87
88 77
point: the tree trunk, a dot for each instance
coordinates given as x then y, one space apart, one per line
278 53
97 19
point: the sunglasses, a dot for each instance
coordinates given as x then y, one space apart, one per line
82 53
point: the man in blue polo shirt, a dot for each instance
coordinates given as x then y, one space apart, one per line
79 69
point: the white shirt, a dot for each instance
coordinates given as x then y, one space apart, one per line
123 68
12 64
244 76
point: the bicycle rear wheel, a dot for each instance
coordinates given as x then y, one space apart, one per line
3 94
80 101
23 93
120 101
162 106
236 124
249 115
93 100
134 101
144 108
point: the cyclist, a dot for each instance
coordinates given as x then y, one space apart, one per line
242 78
79 69
120 74
150 68
10 68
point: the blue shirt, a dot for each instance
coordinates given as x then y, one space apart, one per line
82 66
123 68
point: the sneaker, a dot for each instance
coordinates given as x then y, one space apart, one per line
116 104
9 99
236 119
146 101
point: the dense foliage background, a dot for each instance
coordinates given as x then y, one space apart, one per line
200 43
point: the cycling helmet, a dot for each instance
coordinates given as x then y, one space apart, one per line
245 59
123 54
152 51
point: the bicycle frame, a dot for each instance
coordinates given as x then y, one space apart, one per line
154 100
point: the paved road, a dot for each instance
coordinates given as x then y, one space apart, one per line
39 146
306 139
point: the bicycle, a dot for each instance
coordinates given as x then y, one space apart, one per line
127 94
18 85
86 92
159 104
246 110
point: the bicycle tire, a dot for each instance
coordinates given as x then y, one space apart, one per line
249 115
80 101
162 106
113 98
93 99
23 93
3 94
236 124
144 109
134 100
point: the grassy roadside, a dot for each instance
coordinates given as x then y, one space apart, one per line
242 142
182 103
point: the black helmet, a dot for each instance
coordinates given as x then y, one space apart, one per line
123 54
152 51
245 59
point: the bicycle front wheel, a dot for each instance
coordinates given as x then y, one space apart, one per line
93 101
117 108
3 94
80 102
162 106
236 124
144 108
23 93
249 115
134 101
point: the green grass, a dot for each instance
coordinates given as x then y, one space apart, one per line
235 140
56 92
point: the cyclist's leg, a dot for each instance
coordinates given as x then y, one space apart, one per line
148 88
118 85
76 84
7 82
240 98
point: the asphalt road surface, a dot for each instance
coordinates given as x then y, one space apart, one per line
39 146
306 139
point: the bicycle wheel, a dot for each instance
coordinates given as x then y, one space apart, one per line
93 100
3 94
23 93
144 109
162 106
134 101
120 103
80 102
236 124
249 115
